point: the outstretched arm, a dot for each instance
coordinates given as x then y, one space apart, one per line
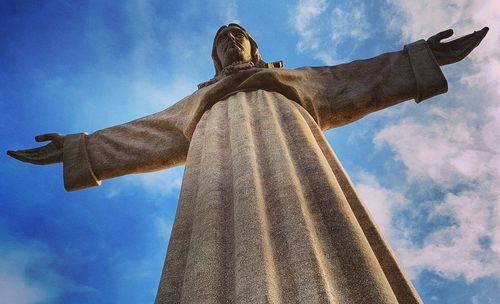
148 144
347 92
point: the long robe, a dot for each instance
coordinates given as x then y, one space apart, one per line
266 212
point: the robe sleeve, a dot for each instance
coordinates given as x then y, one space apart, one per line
345 93
148 144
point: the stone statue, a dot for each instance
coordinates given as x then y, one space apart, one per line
266 212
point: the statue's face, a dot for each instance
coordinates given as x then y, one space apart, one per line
232 46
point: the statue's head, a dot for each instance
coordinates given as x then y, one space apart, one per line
232 43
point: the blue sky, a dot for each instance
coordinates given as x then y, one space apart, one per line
428 172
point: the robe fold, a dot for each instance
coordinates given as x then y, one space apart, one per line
266 212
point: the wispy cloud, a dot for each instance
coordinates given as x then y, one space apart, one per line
302 18
149 96
452 148
321 28
454 153
163 183
27 275
380 201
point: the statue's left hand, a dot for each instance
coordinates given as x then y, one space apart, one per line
454 50
48 154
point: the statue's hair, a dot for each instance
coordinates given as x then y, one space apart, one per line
256 58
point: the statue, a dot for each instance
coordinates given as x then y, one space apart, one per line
266 212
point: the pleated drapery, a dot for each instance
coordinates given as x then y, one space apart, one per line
262 217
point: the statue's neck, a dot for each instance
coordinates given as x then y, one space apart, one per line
239 66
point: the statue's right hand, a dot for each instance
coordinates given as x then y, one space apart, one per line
48 154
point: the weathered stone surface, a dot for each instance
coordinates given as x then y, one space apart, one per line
264 215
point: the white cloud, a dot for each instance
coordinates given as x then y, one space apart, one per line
302 18
443 146
15 286
350 24
164 183
321 29
27 275
464 248
154 97
453 148
380 201
14 289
